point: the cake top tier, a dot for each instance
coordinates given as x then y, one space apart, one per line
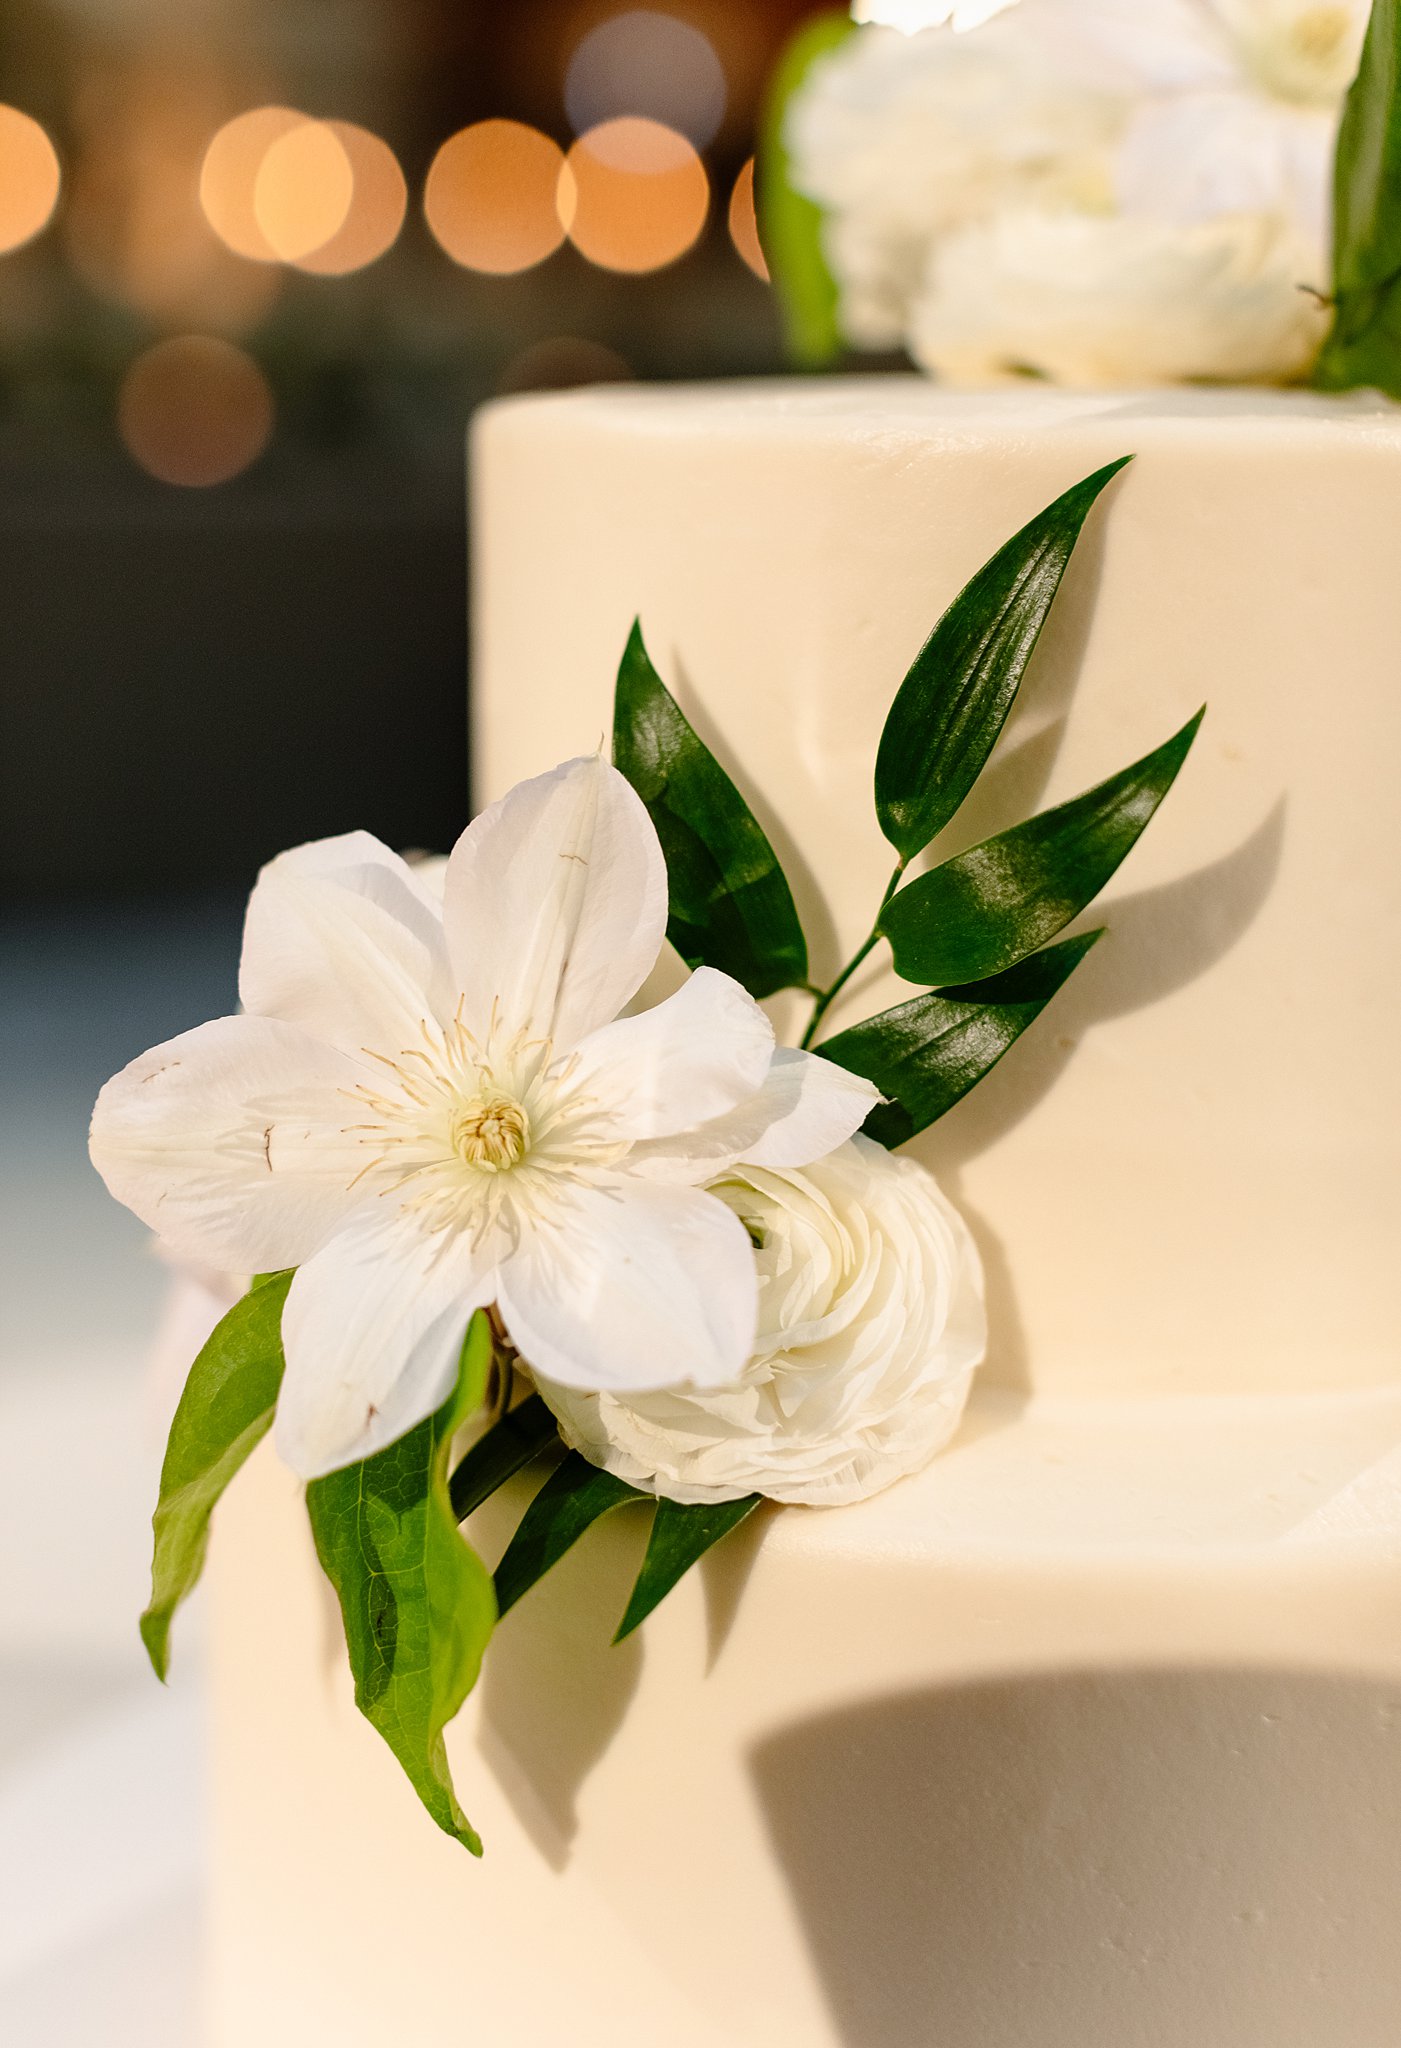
875 408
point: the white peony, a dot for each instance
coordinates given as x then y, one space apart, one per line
432 1105
903 140
1207 122
871 1325
1116 301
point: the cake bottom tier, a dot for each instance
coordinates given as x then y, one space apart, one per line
1088 1738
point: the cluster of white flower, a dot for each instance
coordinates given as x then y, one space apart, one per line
432 1105
1095 191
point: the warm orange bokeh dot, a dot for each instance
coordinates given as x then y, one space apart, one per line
378 202
195 410
132 222
29 179
303 190
490 197
228 177
744 223
634 195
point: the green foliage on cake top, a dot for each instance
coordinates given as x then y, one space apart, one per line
474 1128
1364 344
791 224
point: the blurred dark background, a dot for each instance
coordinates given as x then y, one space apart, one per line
259 260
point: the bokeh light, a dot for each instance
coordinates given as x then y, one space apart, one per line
642 62
378 203
228 177
303 190
491 197
563 363
744 223
195 410
634 195
131 220
29 179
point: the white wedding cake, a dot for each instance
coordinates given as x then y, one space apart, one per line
1090 1735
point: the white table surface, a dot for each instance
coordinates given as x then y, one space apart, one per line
101 1791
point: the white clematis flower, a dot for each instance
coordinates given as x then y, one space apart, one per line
871 1325
1208 122
429 1108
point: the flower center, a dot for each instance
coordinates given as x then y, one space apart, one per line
1320 32
1310 56
493 1133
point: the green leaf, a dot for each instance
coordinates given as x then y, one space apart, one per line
731 906
416 1601
505 1450
1364 344
954 702
680 1538
571 1501
927 1054
224 1413
791 224
986 909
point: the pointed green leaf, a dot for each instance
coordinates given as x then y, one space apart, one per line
1364 344
416 1601
955 700
926 1055
505 1450
731 906
224 1413
570 1502
791 224
681 1536
986 909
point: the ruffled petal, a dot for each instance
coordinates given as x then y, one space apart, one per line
373 1332
555 905
342 938
694 1057
231 1143
806 1107
649 1287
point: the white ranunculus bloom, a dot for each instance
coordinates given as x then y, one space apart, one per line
871 1325
1170 115
1093 302
429 1107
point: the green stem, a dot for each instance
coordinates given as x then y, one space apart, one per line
826 997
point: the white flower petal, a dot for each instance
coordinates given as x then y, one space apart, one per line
343 939
696 1056
373 1332
556 904
647 1288
814 1106
806 1107
1132 46
231 1143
